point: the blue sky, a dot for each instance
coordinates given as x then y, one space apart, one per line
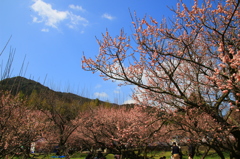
53 34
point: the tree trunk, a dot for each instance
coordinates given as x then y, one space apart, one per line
236 154
145 152
61 148
219 152
205 153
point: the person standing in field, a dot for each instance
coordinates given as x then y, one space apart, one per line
191 150
175 151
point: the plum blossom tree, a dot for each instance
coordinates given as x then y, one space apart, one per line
19 126
61 116
190 63
9 123
32 127
121 128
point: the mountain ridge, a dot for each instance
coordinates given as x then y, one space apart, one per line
27 86
19 84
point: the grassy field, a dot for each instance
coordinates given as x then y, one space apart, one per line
158 154
151 155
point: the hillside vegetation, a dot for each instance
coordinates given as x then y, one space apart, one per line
36 93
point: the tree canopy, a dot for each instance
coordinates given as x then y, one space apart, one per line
187 64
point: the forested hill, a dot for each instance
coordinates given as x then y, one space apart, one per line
38 93
26 87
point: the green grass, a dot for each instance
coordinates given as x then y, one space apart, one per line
210 156
157 155
153 155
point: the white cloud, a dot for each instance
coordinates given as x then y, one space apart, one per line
80 8
108 16
130 101
45 30
35 20
101 94
75 20
52 17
